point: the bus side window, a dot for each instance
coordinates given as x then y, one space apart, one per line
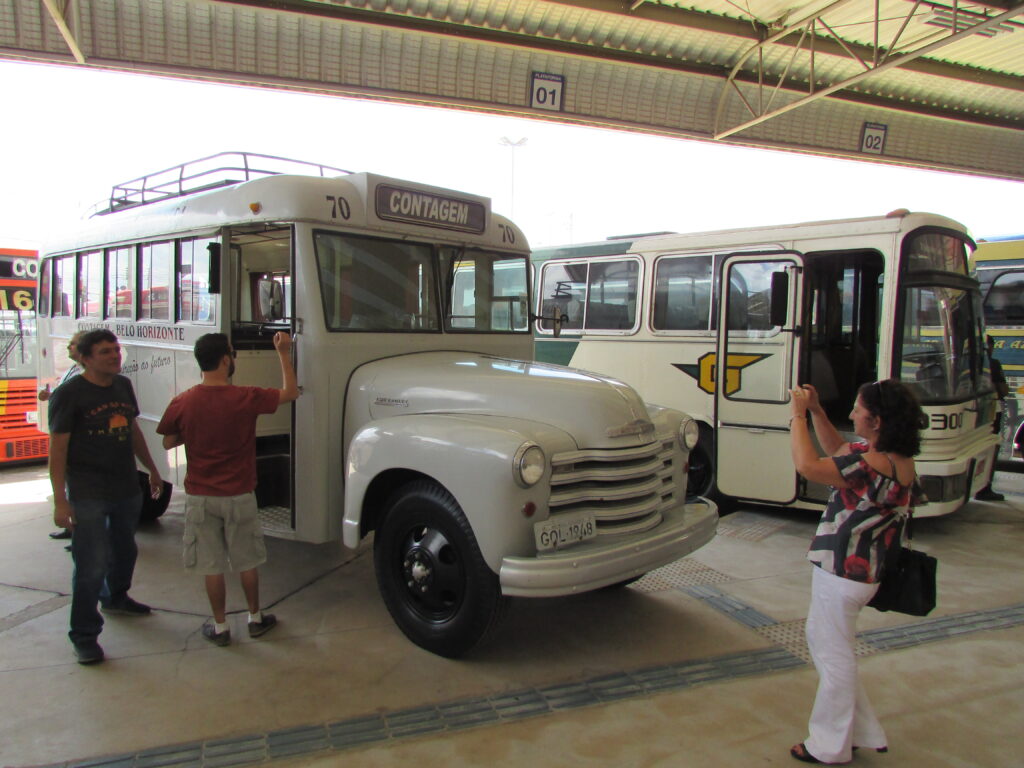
563 292
611 295
1003 305
195 302
264 277
120 282
682 293
63 286
44 288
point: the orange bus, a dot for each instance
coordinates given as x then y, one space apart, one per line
20 438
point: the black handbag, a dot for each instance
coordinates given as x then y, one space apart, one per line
908 582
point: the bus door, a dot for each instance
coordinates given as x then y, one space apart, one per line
755 364
262 296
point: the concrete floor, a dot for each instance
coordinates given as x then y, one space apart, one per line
698 664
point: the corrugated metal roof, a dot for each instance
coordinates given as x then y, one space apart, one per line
690 67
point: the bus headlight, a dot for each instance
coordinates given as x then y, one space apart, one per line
529 464
688 434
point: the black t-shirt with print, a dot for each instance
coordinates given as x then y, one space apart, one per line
101 461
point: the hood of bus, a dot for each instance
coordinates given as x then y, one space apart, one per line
597 411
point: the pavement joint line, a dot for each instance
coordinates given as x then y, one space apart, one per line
34 612
533 702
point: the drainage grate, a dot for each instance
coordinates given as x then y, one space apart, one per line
730 606
681 573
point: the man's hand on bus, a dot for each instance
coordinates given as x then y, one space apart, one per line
44 393
283 342
63 514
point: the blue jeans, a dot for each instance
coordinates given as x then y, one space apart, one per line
102 545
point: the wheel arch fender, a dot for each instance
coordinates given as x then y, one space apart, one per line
469 456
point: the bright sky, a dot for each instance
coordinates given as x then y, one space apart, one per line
69 134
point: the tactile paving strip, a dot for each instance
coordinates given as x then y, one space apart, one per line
791 635
682 573
532 702
740 525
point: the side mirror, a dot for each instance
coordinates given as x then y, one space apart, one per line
271 297
779 310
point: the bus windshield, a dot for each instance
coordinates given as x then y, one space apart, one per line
485 291
373 284
17 340
943 351
17 322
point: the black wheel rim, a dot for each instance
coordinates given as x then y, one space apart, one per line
432 574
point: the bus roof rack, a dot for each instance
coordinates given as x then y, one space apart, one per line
220 170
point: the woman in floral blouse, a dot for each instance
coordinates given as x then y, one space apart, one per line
874 491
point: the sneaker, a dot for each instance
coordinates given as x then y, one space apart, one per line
88 652
217 638
257 628
126 607
987 494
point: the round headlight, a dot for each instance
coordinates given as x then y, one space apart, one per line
529 464
689 433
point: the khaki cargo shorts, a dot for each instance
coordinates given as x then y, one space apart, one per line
222 533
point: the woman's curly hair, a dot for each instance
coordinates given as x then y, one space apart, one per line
901 415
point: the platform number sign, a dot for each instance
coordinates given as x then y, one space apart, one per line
872 138
546 91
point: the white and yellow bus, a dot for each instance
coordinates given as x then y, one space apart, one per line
834 303
483 475
999 266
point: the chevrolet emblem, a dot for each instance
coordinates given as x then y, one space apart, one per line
637 427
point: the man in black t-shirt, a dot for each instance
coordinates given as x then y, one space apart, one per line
94 441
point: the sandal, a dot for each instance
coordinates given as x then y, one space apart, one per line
799 751
880 750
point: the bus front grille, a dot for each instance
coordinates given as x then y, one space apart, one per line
626 489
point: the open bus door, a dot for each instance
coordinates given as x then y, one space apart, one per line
757 360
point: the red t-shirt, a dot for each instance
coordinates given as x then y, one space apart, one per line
218 425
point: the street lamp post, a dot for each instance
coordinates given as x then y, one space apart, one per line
505 141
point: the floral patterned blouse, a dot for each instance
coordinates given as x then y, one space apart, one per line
861 522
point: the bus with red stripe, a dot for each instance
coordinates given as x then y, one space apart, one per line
20 438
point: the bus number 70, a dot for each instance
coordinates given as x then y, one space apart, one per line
339 206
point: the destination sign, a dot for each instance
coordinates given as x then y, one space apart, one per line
416 207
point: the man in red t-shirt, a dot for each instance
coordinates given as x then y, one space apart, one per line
216 422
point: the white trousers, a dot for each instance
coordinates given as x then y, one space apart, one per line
842 716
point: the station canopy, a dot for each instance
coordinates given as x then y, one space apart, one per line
908 82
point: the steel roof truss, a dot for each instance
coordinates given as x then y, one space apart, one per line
59 12
882 59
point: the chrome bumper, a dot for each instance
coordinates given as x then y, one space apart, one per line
596 564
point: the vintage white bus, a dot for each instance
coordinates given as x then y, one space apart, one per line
834 303
483 475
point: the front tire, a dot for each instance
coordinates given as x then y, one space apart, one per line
431 574
700 481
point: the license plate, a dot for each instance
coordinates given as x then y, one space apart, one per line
563 530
